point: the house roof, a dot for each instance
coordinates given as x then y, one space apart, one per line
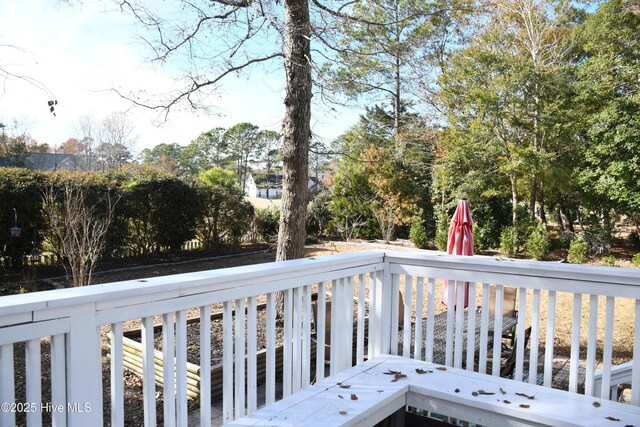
51 161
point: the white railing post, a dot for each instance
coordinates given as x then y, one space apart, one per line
84 368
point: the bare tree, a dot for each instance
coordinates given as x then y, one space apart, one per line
117 138
78 228
87 129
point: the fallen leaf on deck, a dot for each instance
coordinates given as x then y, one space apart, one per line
612 419
344 385
596 404
354 397
486 393
343 412
526 395
390 372
502 391
457 390
423 371
506 401
441 368
397 376
522 405
474 393
340 396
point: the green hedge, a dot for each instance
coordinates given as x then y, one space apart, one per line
21 189
154 212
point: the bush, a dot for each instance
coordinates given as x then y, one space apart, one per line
319 215
267 224
442 230
508 242
538 245
21 189
236 218
162 212
598 239
418 232
609 260
635 261
578 251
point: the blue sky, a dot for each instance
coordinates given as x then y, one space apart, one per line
81 52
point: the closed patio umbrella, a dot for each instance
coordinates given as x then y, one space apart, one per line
460 242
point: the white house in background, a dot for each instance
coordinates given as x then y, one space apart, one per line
269 186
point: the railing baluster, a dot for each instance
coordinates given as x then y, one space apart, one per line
288 337
252 350
406 321
591 345
448 357
497 331
484 328
181 368
348 317
375 315
148 383
535 333
306 337
395 300
459 325
320 330
7 383
336 326
548 342
34 381
635 372
168 368
431 302
471 327
271 349
227 361
340 355
117 376
575 342
239 366
361 318
419 316
58 380
607 352
205 364
520 331
296 374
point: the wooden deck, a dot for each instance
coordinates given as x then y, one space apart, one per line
371 391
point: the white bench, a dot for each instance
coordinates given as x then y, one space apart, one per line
372 396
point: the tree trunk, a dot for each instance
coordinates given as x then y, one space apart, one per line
543 214
514 199
296 131
532 198
559 219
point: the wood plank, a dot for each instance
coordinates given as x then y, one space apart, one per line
451 391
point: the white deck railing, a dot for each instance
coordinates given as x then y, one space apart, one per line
70 326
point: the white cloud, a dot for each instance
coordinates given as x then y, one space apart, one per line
79 53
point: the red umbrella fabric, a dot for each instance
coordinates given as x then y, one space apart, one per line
460 242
